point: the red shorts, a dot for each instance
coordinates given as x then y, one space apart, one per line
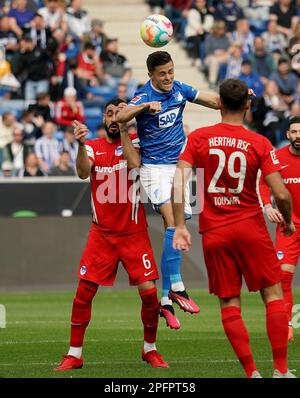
243 249
288 247
100 258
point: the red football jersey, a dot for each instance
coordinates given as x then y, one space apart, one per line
290 171
230 157
116 207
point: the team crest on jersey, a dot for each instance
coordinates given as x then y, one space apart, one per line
83 270
280 255
167 119
119 151
178 97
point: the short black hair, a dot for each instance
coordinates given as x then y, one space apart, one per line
115 102
157 58
234 94
293 120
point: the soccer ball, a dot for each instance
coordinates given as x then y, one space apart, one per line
156 30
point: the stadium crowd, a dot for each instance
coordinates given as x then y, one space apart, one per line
57 64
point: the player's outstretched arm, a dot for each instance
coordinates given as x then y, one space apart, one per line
265 193
130 112
208 100
182 237
83 164
283 201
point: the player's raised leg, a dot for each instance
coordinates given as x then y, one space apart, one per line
237 334
81 316
173 257
149 315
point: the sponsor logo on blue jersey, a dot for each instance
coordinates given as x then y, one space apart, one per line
167 119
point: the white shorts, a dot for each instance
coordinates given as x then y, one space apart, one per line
157 180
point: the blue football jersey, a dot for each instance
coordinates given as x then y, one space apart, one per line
161 135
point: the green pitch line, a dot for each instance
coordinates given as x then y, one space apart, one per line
37 333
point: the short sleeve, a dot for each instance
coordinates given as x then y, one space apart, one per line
90 150
187 153
135 141
269 161
190 93
138 99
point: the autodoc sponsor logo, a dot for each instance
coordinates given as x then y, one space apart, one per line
167 119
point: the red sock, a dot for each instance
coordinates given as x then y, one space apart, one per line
238 336
277 329
149 314
81 311
286 283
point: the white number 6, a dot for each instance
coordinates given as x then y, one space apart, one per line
147 263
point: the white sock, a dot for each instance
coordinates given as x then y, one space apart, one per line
165 301
75 352
149 346
177 287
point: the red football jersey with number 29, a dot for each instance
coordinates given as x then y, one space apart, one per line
115 198
231 157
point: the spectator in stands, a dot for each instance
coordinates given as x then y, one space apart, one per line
262 63
54 15
20 16
100 131
274 40
252 79
71 79
285 13
78 20
156 6
243 35
89 68
14 151
43 107
47 148
31 129
199 24
229 12
176 11
285 80
31 67
96 36
122 92
216 49
70 145
6 169
38 31
116 68
31 167
269 113
69 109
234 63
257 13
7 125
64 168
8 37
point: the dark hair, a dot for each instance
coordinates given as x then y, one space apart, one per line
156 59
246 62
293 120
283 60
234 94
88 46
115 102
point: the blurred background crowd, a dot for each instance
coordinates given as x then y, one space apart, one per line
57 64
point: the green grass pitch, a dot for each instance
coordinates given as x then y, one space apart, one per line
37 333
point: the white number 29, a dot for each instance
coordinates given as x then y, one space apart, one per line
241 174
